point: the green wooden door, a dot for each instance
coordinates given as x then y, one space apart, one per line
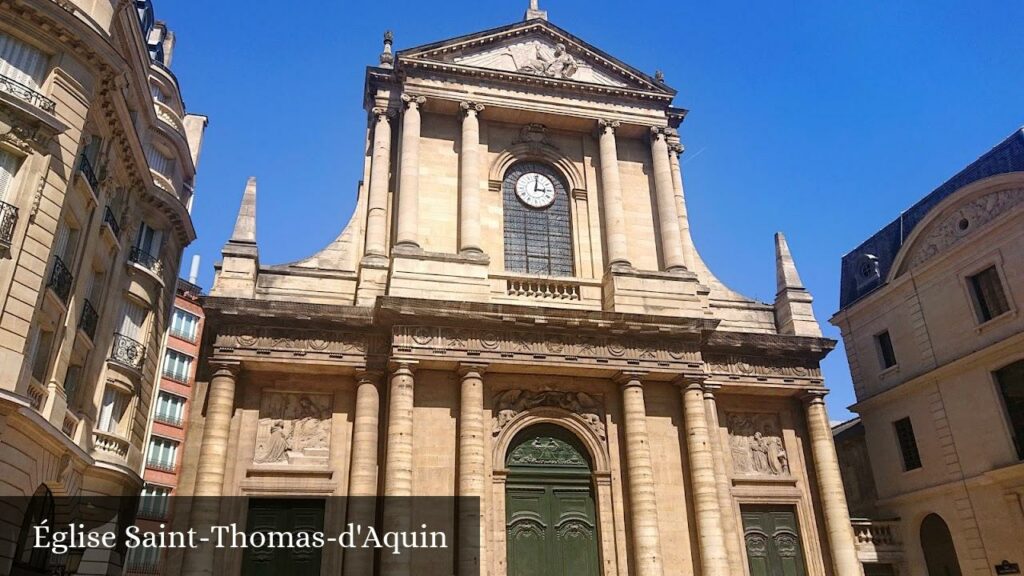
773 541
281 515
550 516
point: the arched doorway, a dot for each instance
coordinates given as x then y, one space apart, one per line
937 546
549 501
31 559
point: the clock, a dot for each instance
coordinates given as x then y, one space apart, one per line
535 190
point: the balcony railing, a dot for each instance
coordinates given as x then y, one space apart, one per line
127 351
188 290
22 92
143 566
85 167
60 280
111 221
8 219
154 507
107 443
158 465
877 540
169 419
145 259
90 318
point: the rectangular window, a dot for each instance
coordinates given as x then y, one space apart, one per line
112 411
1011 384
21 62
154 501
142 559
886 354
989 298
184 325
163 454
8 168
133 320
177 366
41 355
908 444
170 409
71 380
160 162
149 240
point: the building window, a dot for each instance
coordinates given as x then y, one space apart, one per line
1011 384
908 444
21 62
41 355
162 454
538 234
886 354
133 320
170 409
160 162
987 292
184 325
142 559
177 366
71 380
8 168
112 411
154 501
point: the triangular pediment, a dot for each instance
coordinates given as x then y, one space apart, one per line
531 50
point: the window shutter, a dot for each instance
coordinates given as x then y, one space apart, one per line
133 320
21 62
8 168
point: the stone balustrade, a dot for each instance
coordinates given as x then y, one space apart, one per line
107 444
878 541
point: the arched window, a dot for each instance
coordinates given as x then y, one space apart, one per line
32 559
538 234
1011 385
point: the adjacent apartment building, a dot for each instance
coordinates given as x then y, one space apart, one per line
931 319
97 169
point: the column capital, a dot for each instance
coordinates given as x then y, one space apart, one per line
413 100
466 368
470 107
811 397
225 367
382 113
367 375
691 381
608 124
710 388
676 147
402 366
630 378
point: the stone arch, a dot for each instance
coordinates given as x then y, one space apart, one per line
939 229
570 421
937 547
525 151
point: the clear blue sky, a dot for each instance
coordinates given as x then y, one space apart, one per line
820 119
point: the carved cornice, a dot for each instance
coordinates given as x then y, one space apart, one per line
729 365
272 342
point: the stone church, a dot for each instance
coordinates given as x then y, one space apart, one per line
516 312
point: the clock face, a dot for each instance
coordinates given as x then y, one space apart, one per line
535 189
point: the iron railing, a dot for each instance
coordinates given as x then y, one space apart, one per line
142 566
22 92
8 219
60 280
111 221
162 466
169 419
90 318
128 351
85 167
144 259
188 289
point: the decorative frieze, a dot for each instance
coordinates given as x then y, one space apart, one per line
735 365
756 443
294 341
294 428
510 403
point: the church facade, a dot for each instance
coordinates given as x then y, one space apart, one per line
516 313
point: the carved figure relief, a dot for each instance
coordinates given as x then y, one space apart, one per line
756 444
539 56
964 221
508 404
293 428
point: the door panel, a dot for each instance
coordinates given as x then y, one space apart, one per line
298 515
574 530
772 539
527 530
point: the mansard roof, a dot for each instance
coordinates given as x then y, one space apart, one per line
866 267
519 52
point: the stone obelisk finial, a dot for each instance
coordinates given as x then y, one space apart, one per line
535 12
387 57
236 273
793 312
245 222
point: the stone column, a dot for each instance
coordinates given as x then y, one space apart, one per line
668 220
362 484
713 559
643 504
675 148
730 528
398 464
830 487
380 175
213 456
472 475
611 195
409 174
469 180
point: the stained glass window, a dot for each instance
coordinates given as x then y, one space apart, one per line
537 240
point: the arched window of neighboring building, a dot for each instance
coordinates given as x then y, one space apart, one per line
937 546
1011 385
31 559
538 232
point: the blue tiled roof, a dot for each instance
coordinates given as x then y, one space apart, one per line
865 268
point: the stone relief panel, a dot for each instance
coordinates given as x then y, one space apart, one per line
755 366
756 444
297 342
508 404
539 56
294 429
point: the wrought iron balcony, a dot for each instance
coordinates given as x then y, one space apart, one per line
144 259
89 320
158 465
169 419
85 167
188 290
8 219
60 280
128 351
22 92
111 221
